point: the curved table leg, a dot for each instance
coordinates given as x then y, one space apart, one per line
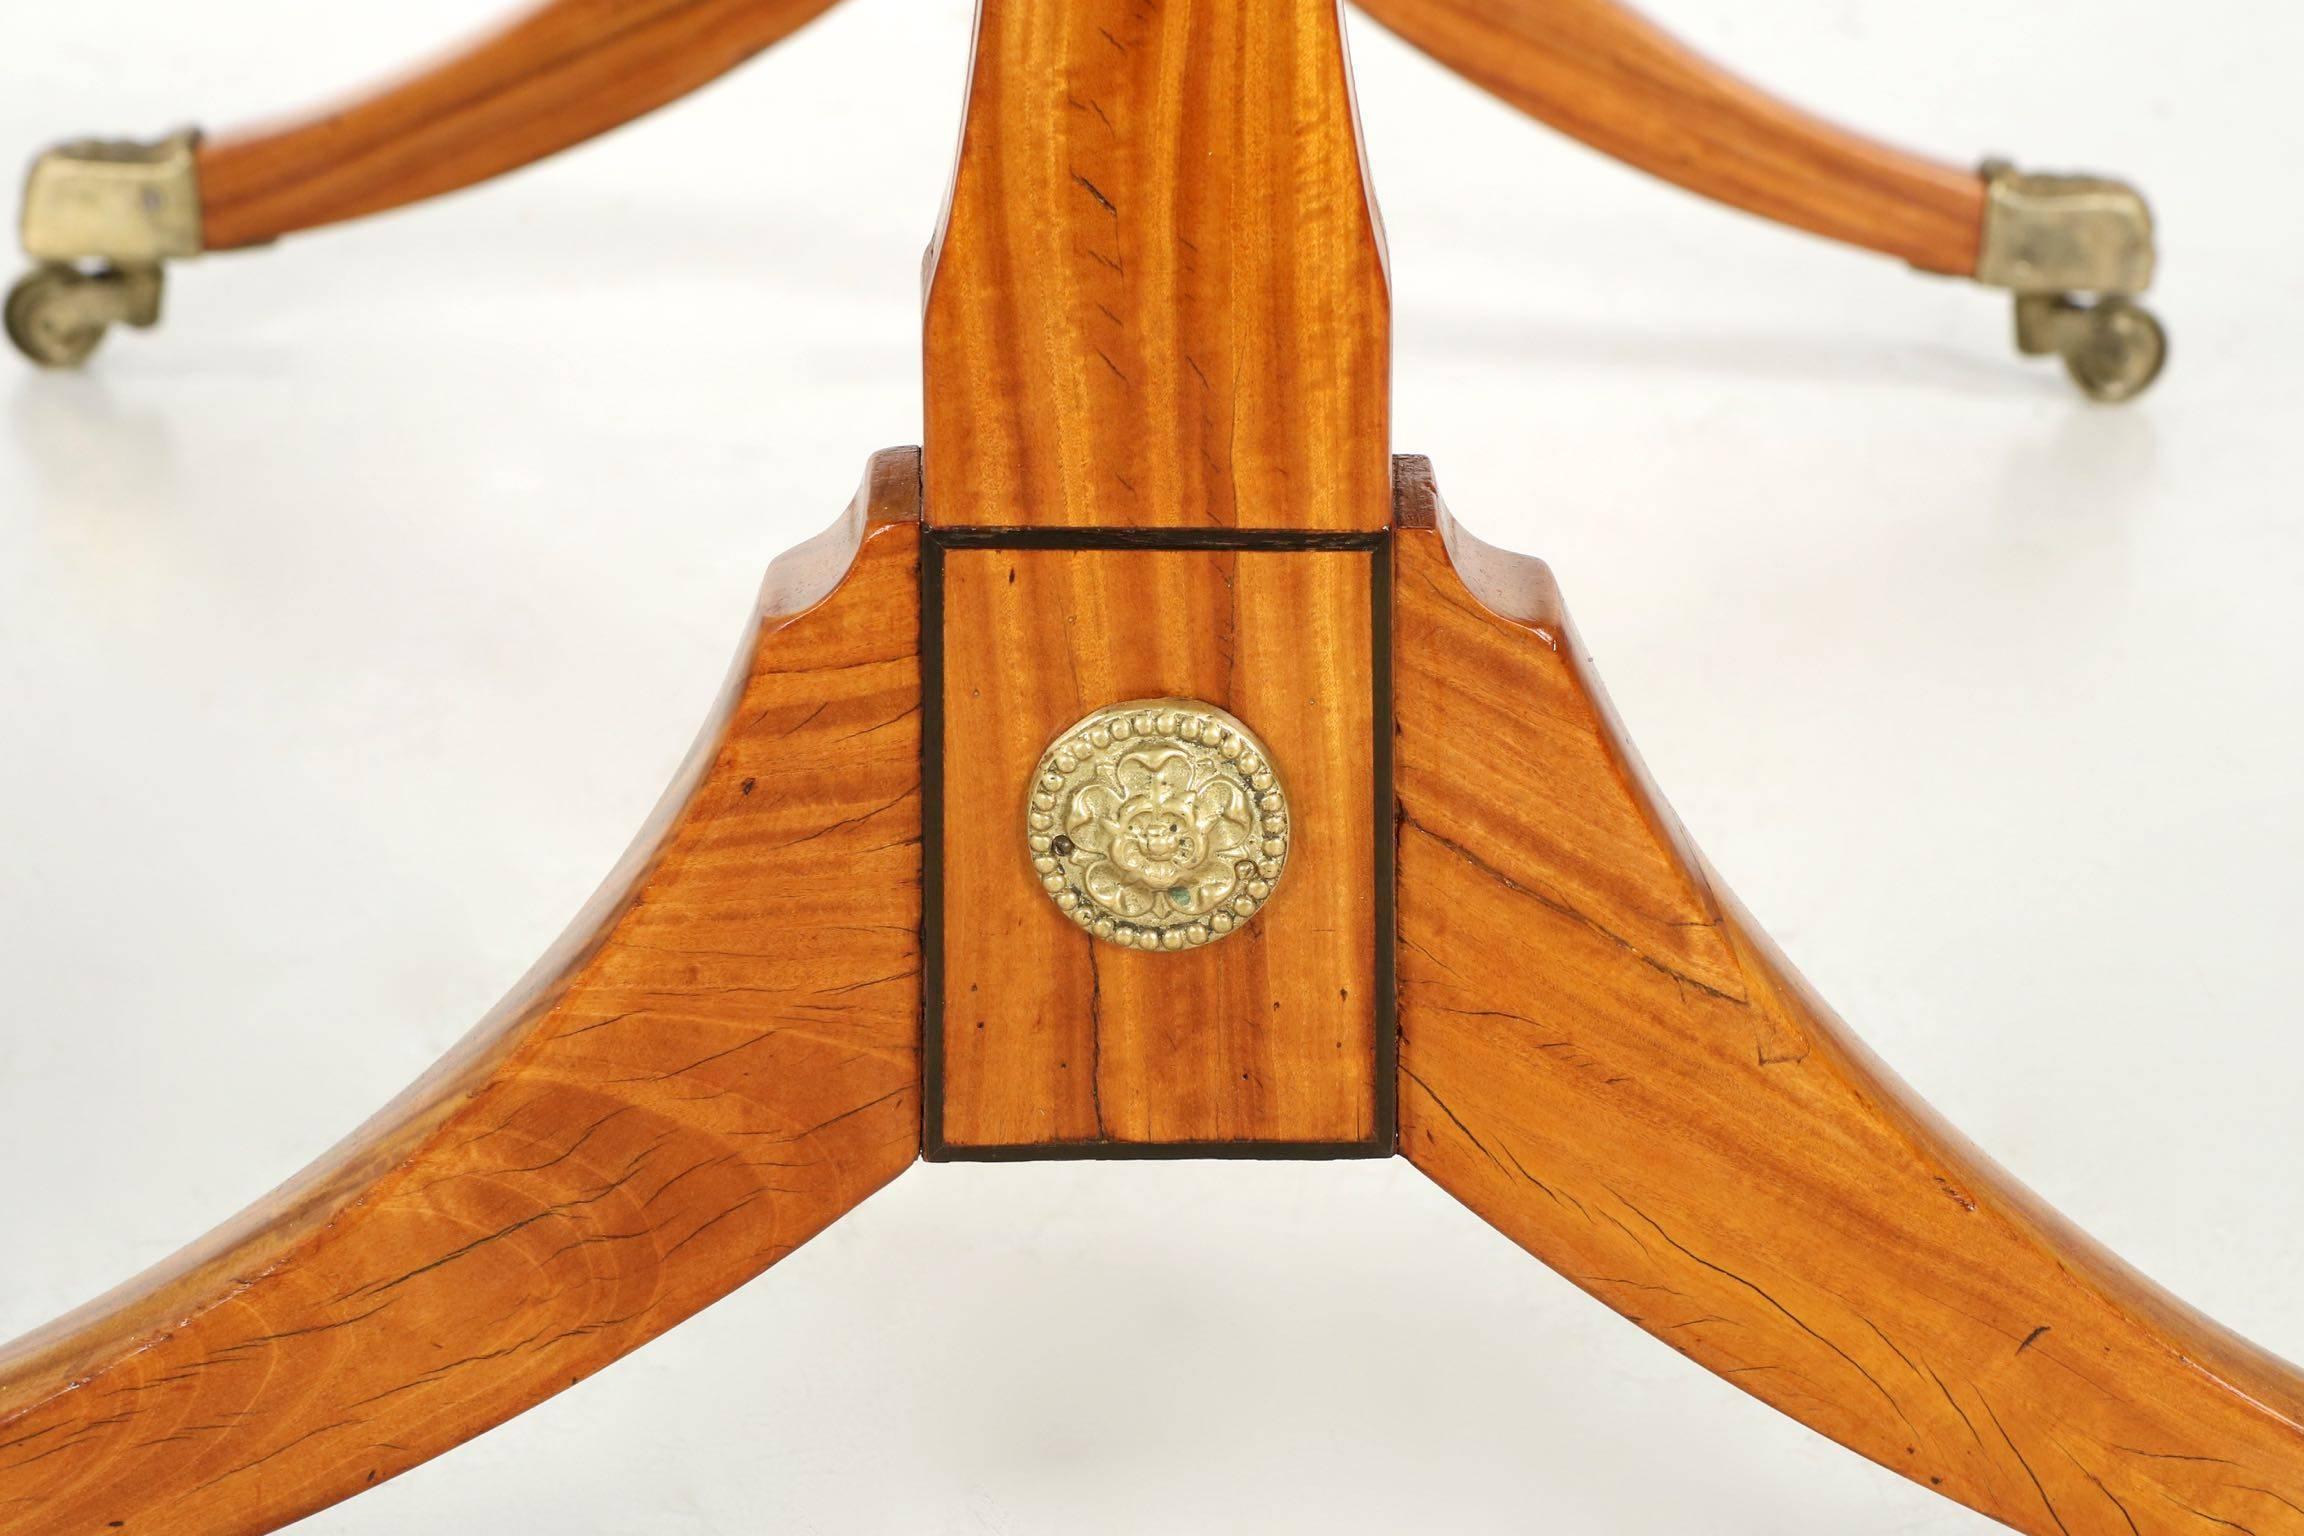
561 73
571 69
719 1059
1600 72
101 219
1604 1058
2076 251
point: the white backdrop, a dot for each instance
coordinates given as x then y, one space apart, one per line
350 624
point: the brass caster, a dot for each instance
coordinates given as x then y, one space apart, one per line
58 315
101 218
2076 250
2113 348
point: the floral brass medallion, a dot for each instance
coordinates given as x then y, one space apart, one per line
1158 824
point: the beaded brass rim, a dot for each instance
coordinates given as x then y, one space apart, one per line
1158 824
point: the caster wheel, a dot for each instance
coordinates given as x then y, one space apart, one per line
47 321
58 315
2119 350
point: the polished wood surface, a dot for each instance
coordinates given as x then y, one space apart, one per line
1602 73
1051 1036
568 70
1158 299
1158 309
1157 304
555 76
1604 1057
719 1059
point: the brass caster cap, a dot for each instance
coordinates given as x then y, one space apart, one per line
2117 354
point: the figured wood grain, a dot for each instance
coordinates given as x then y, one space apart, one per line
568 70
1604 1057
1602 73
1051 1036
719 1059
555 76
1158 297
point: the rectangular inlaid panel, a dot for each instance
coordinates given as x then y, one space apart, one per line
1272 1040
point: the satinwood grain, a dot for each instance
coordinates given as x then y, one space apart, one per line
1158 298
1604 74
719 1059
1051 1036
1602 1055
551 78
571 69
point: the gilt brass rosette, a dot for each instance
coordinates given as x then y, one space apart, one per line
1158 824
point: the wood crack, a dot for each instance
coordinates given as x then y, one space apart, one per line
1555 904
